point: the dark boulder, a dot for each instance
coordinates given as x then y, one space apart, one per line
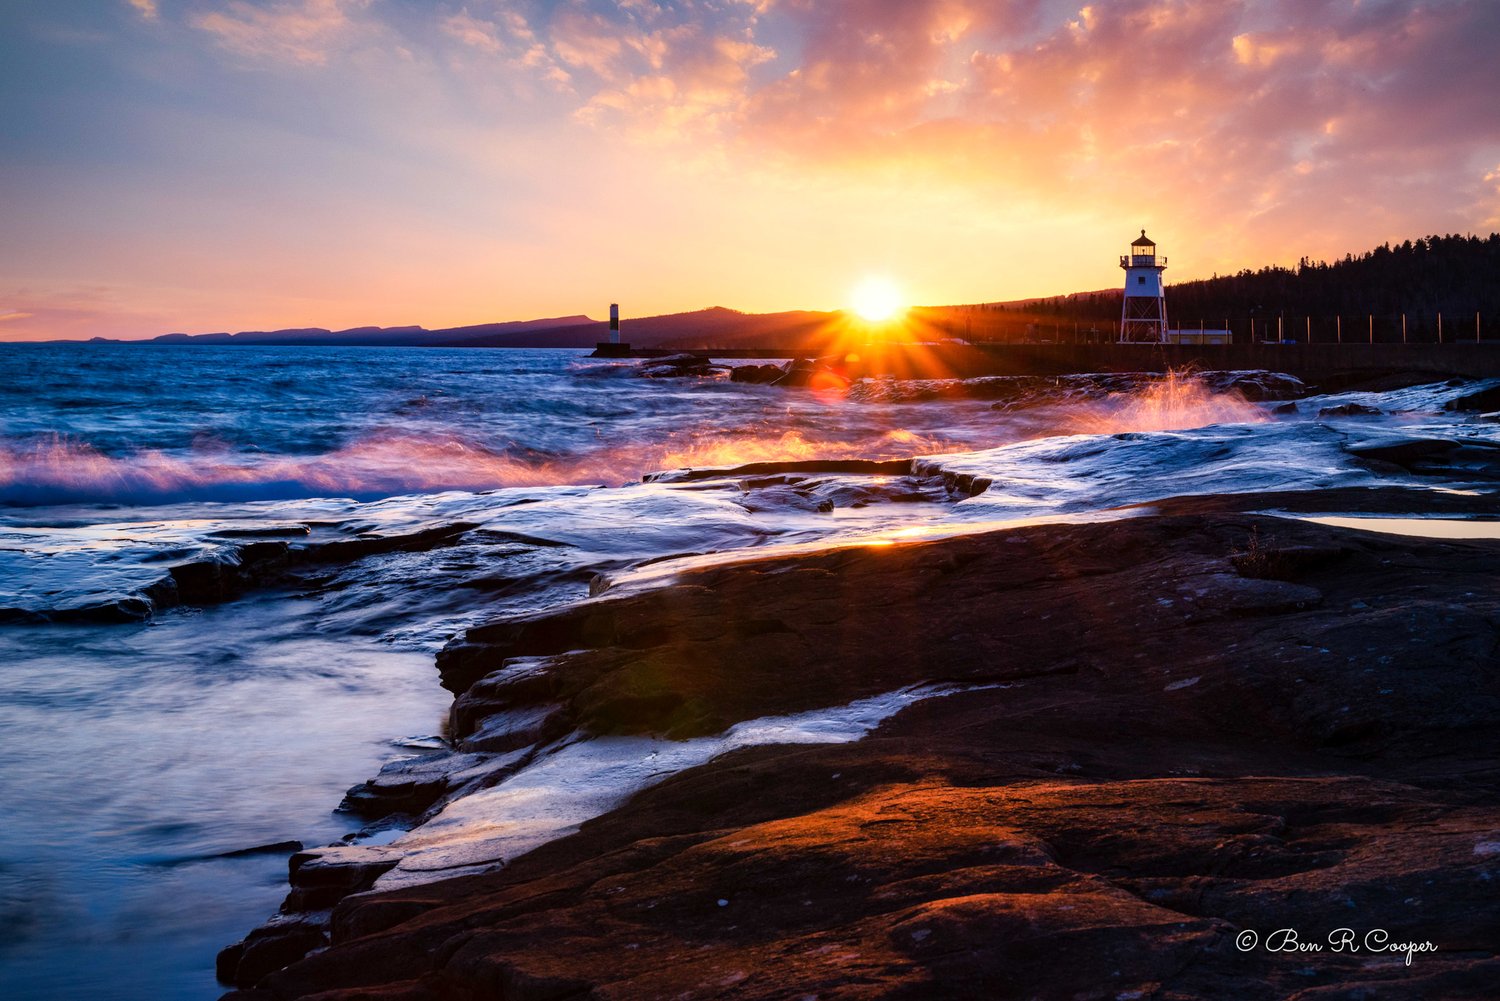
678 367
756 374
1349 410
1482 400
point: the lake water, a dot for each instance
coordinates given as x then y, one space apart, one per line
144 750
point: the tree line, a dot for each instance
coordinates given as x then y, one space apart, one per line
1455 276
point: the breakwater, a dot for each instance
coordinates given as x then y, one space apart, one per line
1310 362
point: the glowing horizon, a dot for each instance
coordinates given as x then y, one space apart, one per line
225 165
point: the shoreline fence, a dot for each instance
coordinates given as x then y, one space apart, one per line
1347 328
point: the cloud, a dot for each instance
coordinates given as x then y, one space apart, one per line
508 36
145 8
658 71
1243 110
1258 130
482 35
296 31
1328 116
8 317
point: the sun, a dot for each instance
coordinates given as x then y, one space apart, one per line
876 299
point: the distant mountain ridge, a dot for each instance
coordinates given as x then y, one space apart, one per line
1400 289
716 326
407 336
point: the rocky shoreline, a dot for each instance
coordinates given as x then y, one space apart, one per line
1154 735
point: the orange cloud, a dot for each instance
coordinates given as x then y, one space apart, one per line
1333 118
1229 111
772 151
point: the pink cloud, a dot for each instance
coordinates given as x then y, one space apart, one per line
667 73
472 31
1230 109
1358 116
297 31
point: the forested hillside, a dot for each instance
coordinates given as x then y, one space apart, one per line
1456 276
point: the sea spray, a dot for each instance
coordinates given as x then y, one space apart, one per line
223 727
60 470
447 439
1173 402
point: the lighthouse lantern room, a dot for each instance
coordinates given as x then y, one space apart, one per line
1143 317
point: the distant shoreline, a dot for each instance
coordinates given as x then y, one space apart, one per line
954 359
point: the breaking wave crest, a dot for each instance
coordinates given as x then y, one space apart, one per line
387 461
60 470
1173 402
1018 392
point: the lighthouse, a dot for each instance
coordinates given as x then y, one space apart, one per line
1143 317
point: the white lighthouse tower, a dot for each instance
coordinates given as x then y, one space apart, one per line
1143 317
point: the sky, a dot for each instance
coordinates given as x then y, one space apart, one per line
210 165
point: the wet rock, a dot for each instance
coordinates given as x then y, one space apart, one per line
677 367
127 608
1162 745
277 944
321 877
1019 392
926 888
1473 458
1481 400
518 681
1349 410
367 914
208 581
1398 450
347 550
959 483
228 573
1286 409
347 867
794 496
506 730
411 785
1257 386
756 374
269 532
864 492
875 467
673 661
274 848
817 374
797 372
